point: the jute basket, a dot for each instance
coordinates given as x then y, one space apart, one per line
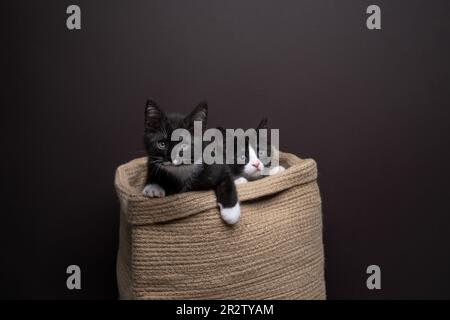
177 247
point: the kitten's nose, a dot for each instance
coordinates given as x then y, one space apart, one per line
256 164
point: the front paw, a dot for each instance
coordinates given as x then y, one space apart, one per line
153 190
230 215
240 180
277 169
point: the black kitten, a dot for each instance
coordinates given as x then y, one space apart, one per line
165 176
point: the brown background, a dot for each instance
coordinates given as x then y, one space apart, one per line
371 107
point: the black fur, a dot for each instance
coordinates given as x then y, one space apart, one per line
175 179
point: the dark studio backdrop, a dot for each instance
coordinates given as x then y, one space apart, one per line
371 107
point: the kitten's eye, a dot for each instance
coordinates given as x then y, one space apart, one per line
161 144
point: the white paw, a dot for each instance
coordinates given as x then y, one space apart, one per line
230 215
153 190
275 170
240 180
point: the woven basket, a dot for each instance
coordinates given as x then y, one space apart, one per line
177 247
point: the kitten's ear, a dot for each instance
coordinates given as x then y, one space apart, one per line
262 124
200 113
153 115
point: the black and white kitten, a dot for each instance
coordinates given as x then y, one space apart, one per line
165 176
256 158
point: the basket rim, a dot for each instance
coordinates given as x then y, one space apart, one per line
139 209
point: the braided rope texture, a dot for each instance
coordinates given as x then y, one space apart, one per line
177 247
